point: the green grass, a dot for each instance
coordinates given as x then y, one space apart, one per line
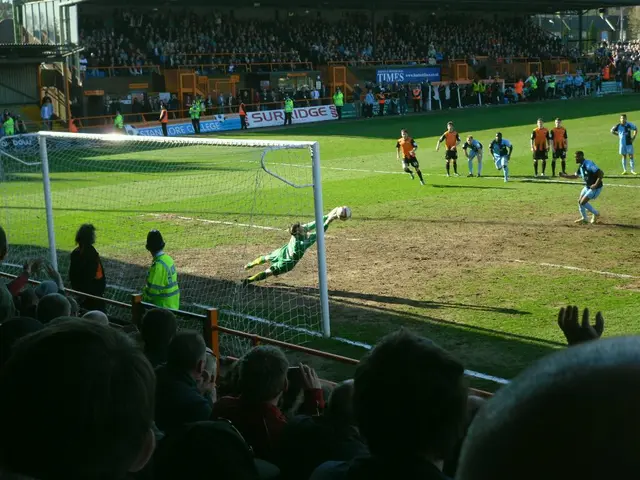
459 260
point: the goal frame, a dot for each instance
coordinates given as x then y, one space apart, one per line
266 145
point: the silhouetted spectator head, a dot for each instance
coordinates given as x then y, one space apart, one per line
158 329
4 244
28 301
90 412
263 374
340 408
7 307
97 316
191 451
52 306
421 389
13 330
86 235
46 287
187 353
573 415
155 242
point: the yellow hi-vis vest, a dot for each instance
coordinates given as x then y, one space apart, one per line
162 284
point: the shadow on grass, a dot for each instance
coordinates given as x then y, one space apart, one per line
268 308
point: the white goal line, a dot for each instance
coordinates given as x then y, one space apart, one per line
578 269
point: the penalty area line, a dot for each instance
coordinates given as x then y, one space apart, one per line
578 269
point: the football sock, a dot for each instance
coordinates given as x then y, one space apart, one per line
448 168
544 166
479 167
583 211
553 168
455 167
591 209
505 170
564 166
632 164
470 163
420 175
624 163
535 167
258 261
257 277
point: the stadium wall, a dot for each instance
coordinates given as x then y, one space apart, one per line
18 85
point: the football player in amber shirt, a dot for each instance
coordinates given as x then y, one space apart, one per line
559 145
451 139
540 146
407 147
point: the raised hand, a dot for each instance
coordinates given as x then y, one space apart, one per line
575 332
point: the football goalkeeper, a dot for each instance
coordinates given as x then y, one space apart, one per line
286 257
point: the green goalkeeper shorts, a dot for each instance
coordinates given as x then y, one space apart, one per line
279 263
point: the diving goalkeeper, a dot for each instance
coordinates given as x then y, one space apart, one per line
285 258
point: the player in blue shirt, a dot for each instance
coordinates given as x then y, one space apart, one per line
472 149
627 133
501 150
592 176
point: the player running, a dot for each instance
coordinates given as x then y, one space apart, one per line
592 176
540 146
451 140
559 145
627 133
472 149
285 258
408 146
501 150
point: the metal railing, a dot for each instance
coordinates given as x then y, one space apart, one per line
212 329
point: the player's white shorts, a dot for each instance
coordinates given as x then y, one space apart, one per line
473 154
626 149
590 194
501 161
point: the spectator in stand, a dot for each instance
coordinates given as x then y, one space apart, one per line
99 392
307 442
21 280
513 427
158 329
411 439
262 381
7 308
86 272
13 330
52 306
179 399
46 114
97 316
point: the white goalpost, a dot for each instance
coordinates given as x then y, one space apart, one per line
218 203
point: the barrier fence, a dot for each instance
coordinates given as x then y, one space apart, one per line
211 329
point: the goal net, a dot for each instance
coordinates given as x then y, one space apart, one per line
218 204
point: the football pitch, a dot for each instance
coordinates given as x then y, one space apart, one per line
477 265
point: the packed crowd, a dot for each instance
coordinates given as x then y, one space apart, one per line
86 396
133 41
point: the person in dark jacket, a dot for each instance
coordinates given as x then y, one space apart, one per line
86 272
179 398
158 329
410 403
308 442
262 382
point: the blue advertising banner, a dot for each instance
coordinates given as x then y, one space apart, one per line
218 124
408 75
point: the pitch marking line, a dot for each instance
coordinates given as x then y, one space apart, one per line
235 224
579 269
388 172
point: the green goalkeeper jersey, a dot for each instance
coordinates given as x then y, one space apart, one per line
294 250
